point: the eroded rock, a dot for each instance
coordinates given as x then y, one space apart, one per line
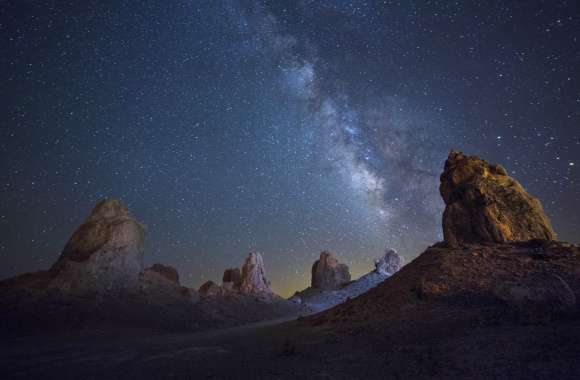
484 204
254 280
104 254
389 263
328 273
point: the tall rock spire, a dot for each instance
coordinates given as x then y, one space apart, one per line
253 275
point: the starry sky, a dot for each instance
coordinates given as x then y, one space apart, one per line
281 127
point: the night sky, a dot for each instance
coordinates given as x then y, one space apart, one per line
282 127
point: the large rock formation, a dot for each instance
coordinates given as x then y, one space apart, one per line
389 263
484 204
328 273
254 280
104 254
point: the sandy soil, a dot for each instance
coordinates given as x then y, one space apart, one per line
288 350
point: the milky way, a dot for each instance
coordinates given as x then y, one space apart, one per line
283 128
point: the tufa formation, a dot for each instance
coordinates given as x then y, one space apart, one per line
104 254
389 263
328 273
253 278
485 205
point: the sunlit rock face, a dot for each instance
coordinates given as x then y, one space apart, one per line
484 204
104 254
389 263
328 273
254 280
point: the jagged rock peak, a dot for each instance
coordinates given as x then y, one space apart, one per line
389 263
105 252
253 275
233 276
328 273
484 204
165 271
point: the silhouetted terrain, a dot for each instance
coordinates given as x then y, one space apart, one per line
485 303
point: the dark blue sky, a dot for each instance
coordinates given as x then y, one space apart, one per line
230 126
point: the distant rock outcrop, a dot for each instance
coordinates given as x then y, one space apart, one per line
165 271
233 276
389 263
328 273
254 280
485 205
331 284
210 289
250 281
104 254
